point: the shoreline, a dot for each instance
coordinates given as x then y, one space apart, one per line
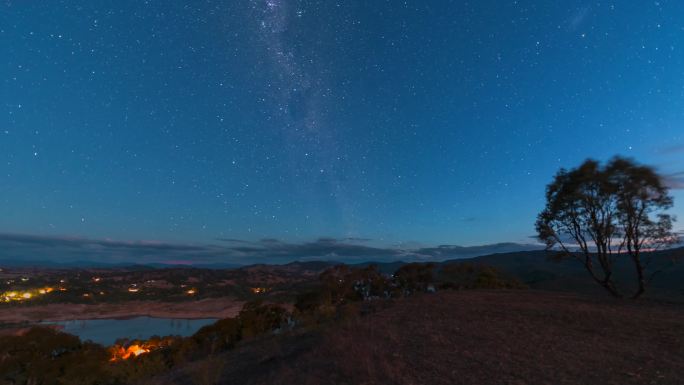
202 309
128 317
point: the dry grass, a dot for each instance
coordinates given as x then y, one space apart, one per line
479 337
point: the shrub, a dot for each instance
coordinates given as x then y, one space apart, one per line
472 276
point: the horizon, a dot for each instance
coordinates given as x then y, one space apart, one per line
41 250
45 251
383 127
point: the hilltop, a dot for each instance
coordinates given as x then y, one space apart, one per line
468 337
462 323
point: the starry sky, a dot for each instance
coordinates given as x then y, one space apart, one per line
391 123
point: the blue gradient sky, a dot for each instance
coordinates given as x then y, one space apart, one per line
416 122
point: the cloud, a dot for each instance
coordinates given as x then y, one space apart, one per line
676 149
70 250
443 252
231 240
356 239
675 181
21 247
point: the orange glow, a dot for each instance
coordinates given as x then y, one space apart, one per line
259 290
121 353
191 291
23 295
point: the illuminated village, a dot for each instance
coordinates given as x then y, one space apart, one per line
22 285
32 288
23 295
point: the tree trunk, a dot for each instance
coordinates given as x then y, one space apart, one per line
641 280
606 282
608 285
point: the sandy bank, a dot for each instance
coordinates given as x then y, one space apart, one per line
206 308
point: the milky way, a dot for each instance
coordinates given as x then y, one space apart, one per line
406 123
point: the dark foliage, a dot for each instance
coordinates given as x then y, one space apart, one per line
475 276
415 277
43 356
596 214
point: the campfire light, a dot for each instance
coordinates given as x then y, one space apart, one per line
137 348
121 353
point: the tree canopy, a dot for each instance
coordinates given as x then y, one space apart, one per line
596 213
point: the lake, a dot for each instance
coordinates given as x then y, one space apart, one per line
107 331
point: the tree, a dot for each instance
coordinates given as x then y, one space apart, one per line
414 277
608 212
257 318
342 284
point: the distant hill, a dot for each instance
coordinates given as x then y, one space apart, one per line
539 271
534 268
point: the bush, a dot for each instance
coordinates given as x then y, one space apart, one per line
414 277
221 335
471 276
257 318
46 356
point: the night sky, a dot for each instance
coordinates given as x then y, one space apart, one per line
389 123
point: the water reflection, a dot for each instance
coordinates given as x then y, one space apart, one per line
107 331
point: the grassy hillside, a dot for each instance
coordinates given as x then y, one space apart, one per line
468 337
